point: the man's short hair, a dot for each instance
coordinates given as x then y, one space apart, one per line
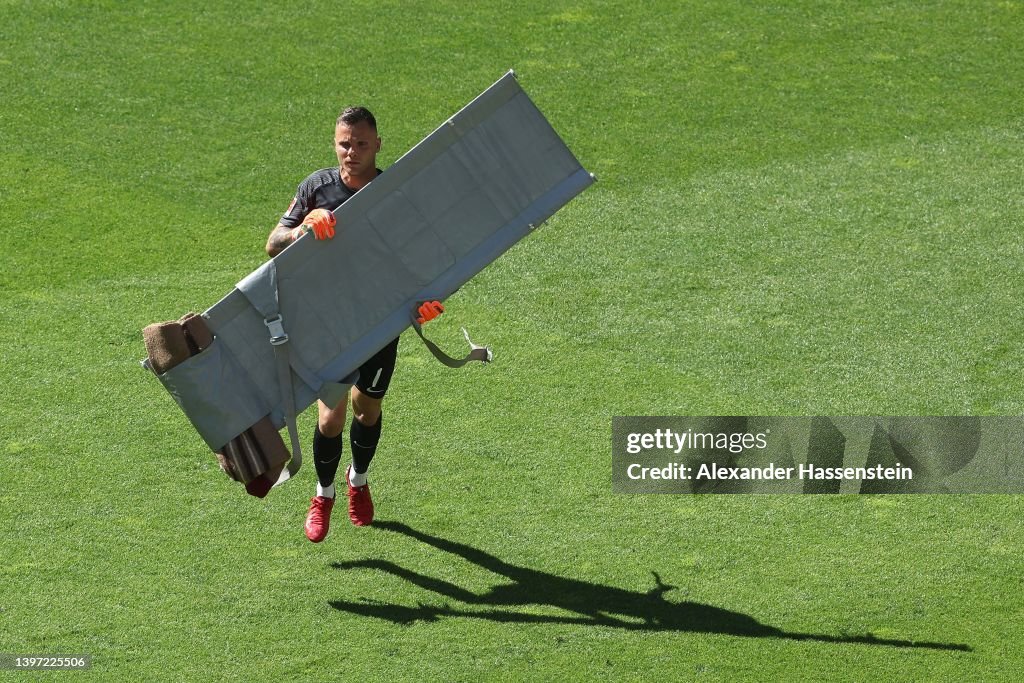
353 115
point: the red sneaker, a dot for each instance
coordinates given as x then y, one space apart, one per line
318 521
360 505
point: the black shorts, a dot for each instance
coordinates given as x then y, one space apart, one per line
375 374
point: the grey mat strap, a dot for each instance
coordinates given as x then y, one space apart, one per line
260 288
284 378
478 353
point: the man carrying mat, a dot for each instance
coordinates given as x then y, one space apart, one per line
356 142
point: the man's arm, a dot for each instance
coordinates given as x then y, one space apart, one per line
320 222
280 237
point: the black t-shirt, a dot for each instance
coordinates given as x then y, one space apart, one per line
322 189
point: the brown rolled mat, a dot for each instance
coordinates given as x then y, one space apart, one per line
255 457
269 441
255 451
166 345
171 343
261 485
197 333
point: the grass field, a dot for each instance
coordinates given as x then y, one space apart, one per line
804 208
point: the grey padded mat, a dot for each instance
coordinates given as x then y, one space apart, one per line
445 210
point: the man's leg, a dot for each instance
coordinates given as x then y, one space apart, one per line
367 397
364 434
363 437
327 446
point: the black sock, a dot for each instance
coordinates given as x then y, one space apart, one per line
326 456
363 440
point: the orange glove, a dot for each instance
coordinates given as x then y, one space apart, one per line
429 310
320 222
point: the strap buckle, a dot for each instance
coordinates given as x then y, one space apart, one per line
277 334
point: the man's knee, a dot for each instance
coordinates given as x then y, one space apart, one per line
365 408
331 421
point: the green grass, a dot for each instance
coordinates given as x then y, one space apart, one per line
803 208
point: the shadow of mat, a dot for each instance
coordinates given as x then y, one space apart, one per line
592 604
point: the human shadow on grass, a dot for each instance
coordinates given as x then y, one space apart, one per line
591 604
